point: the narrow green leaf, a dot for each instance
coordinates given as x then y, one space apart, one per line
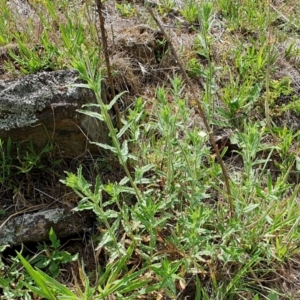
4 283
105 146
39 280
105 239
297 163
124 150
124 180
250 208
124 129
37 291
272 296
109 213
81 85
91 114
113 101
53 238
58 287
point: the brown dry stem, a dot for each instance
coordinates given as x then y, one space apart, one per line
107 61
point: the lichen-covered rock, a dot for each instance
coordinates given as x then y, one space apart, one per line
41 108
35 227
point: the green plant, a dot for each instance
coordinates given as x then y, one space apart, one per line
190 11
278 91
23 162
46 286
38 58
5 160
292 51
13 279
194 68
7 20
203 42
239 100
294 106
166 6
250 17
54 44
195 236
31 159
126 9
109 282
280 88
252 63
90 72
51 258
172 210
166 272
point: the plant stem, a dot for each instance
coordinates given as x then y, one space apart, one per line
267 100
107 62
116 143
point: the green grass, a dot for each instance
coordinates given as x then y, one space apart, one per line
170 226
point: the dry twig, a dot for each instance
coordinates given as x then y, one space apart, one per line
107 62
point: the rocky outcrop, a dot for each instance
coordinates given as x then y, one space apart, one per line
41 108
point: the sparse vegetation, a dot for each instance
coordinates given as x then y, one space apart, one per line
168 227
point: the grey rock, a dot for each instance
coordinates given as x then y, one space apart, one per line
41 108
35 227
